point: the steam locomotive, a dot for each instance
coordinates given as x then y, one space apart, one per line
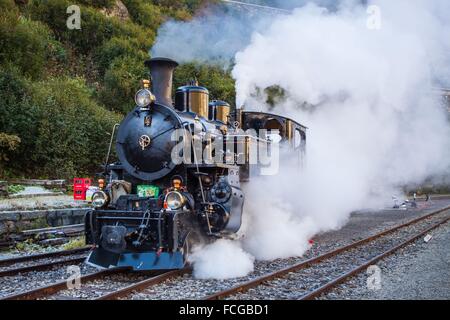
154 208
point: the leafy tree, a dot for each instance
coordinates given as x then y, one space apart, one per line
63 131
117 47
58 86
145 13
122 80
72 134
25 43
8 143
17 116
97 3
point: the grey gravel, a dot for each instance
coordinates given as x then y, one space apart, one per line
297 284
94 289
42 261
31 280
361 225
418 271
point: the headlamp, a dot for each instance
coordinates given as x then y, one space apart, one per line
99 199
175 200
144 98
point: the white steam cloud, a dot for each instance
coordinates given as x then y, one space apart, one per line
213 37
365 95
222 259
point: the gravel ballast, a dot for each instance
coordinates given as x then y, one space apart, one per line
361 225
418 271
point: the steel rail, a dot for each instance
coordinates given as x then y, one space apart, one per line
51 289
304 264
40 267
144 284
6 262
332 284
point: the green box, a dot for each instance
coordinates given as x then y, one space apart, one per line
144 191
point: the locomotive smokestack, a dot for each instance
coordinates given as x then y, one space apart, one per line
161 71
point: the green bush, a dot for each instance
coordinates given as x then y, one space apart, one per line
97 3
122 80
72 136
60 119
8 5
63 131
117 47
181 9
143 36
8 143
12 189
28 44
17 116
144 13
96 27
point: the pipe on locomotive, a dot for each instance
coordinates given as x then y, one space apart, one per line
161 72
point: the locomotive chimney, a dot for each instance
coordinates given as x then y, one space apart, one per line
161 71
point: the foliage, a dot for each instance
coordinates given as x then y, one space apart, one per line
96 27
17 116
72 135
8 5
15 188
58 86
63 130
121 83
8 143
27 246
275 95
180 9
28 44
97 3
117 47
75 243
145 13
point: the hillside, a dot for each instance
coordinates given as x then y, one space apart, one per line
62 90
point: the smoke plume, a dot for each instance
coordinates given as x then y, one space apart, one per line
360 76
213 37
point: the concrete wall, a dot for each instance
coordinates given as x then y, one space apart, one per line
13 222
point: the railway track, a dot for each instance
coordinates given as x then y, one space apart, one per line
52 289
6 262
113 284
311 267
99 285
144 284
41 262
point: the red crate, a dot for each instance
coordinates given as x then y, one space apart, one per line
82 182
80 186
79 195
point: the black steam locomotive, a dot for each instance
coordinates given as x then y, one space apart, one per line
154 208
